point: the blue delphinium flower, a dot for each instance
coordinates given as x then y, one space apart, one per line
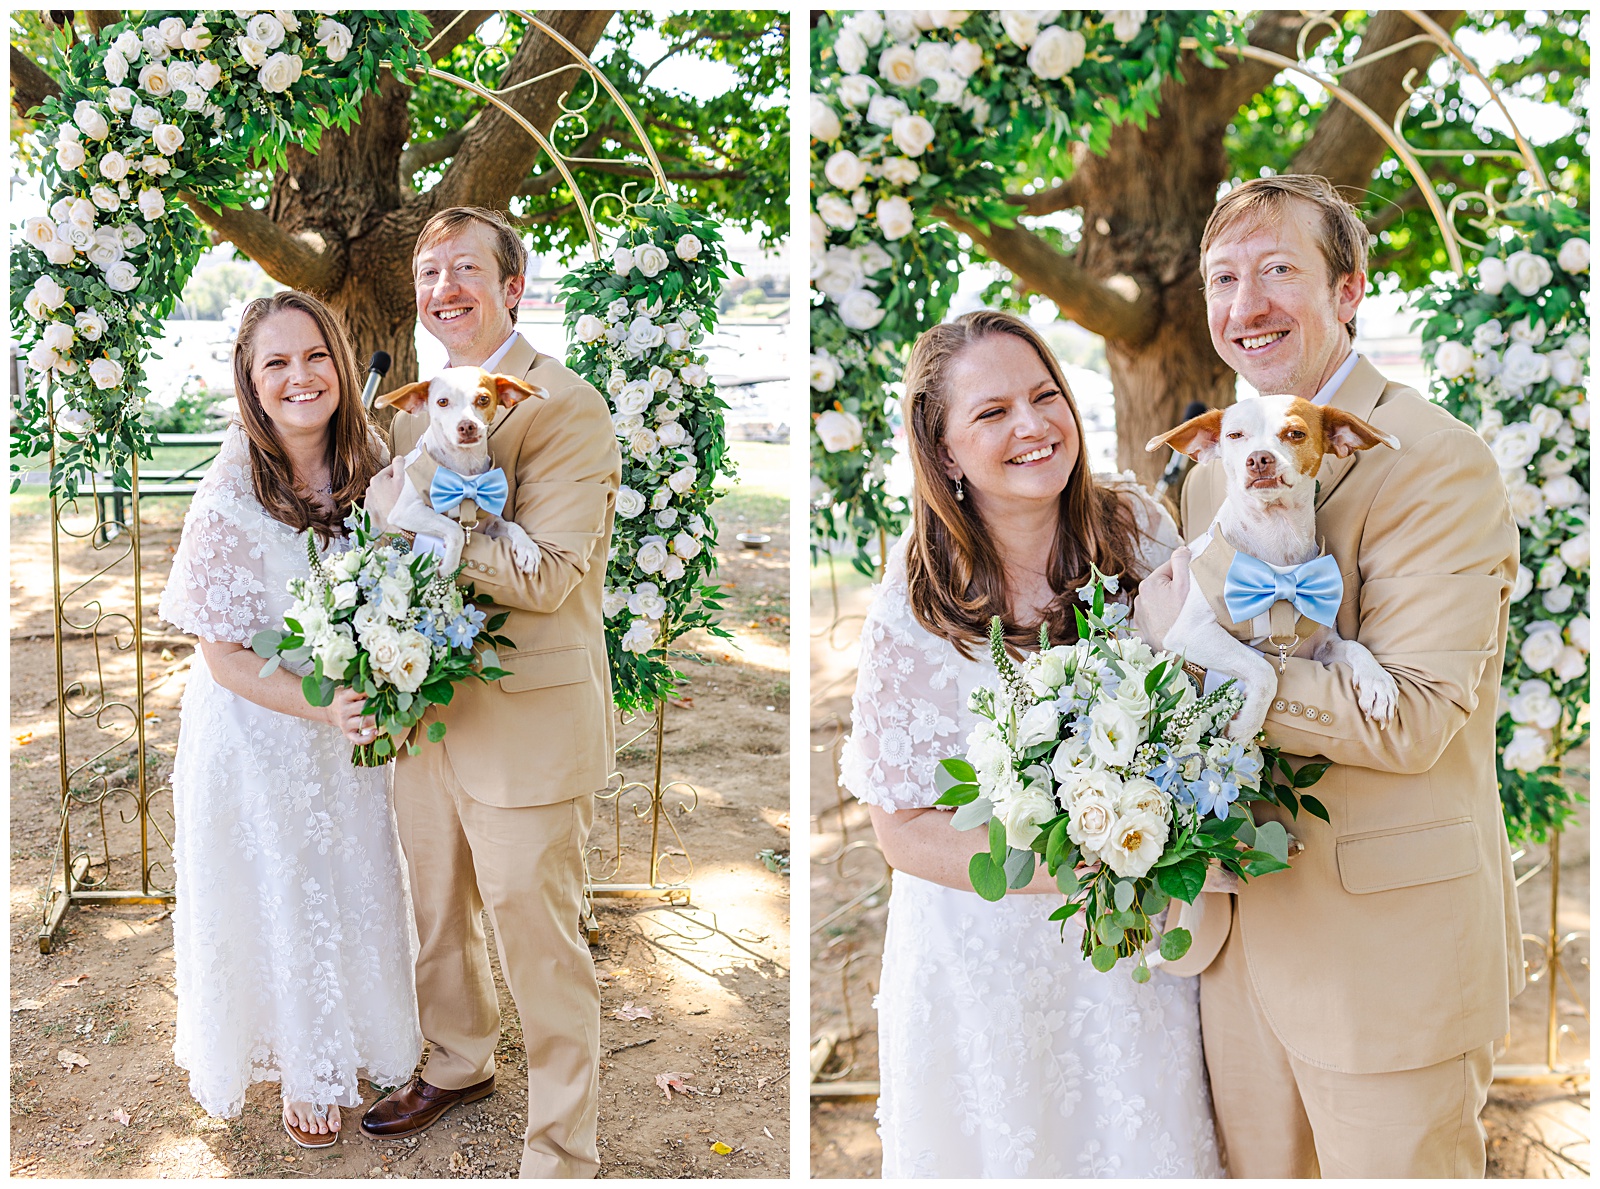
1166 773
462 631
1213 793
1243 766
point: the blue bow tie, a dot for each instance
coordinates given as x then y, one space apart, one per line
1252 586
488 490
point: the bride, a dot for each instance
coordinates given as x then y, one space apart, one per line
1002 1052
291 929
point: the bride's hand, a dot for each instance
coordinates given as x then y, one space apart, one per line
344 712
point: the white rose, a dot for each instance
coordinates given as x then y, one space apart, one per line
688 247
1453 360
629 503
897 66
1563 491
1551 573
106 373
884 110
1557 601
336 652
1546 420
1570 666
635 397
121 277
642 443
1093 819
855 91
1575 551
1528 272
836 211
411 667
168 138
640 637
1578 630
104 197
208 75
912 135
1526 751
1114 734
180 74
966 57
1541 648
116 68
128 45
70 154
622 261
899 170
1535 704
825 372
650 259
658 379
825 125
861 310
1126 23
1022 813
651 554
1565 368
42 359
197 38
113 167
72 421
1021 25
1532 333
144 117
1038 725
120 99
107 248
1515 445
57 336
279 72
841 273
1574 256
1527 501
673 568
153 80
58 253
851 52
251 50
685 546
1580 416
1492 275
867 25
613 601
1522 366
1057 52
45 296
1521 584
675 336
643 335
155 46
589 329
90 324
335 38
193 98
75 237
646 600
682 480
695 375
90 121
894 217
838 430
171 30
845 170
82 214
672 434
152 203
266 29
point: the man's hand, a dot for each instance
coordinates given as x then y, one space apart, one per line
1161 597
384 492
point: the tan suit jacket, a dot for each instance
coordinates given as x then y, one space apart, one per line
1394 942
544 734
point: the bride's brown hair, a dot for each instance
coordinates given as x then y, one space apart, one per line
352 452
955 574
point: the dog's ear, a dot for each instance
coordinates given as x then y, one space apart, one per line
512 389
1344 433
408 398
1197 437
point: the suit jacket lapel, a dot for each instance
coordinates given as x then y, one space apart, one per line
519 360
1357 395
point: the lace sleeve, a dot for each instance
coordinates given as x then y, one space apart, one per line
907 709
1159 532
216 589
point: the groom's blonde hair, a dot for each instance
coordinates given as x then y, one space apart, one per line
509 253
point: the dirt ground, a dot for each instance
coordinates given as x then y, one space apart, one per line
1534 1131
698 990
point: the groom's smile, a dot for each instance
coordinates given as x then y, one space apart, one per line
461 299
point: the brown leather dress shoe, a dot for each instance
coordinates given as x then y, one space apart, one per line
417 1106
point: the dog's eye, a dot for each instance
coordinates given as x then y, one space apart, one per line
1235 436
443 401
1294 435
482 400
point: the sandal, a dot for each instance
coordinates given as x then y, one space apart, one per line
310 1139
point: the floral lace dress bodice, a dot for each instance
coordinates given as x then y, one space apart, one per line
1001 1051
291 931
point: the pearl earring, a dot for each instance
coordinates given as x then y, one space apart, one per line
960 491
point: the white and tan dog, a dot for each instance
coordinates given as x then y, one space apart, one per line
448 469
1271 448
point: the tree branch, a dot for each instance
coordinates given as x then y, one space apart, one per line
1058 198
101 19
432 152
301 261
463 28
1089 302
30 85
543 183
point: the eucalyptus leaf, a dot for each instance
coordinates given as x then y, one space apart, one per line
1122 895
1019 868
270 667
988 877
998 846
973 814
1103 958
1274 839
1175 944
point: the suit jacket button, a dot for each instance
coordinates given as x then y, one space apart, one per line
1295 708
1312 712
1326 717
1279 704
491 569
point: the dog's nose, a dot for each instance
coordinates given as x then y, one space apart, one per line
1261 463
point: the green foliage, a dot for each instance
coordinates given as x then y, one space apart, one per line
194 411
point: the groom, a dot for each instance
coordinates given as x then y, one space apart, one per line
1350 1016
497 815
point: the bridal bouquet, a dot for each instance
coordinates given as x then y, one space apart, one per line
388 624
1100 759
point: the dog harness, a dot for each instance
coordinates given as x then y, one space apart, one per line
1282 626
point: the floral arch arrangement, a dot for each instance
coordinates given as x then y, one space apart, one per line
1509 345
915 115
165 106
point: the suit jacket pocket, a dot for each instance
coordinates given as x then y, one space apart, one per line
1405 858
542 668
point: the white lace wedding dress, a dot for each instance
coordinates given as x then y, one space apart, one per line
1002 1052
291 931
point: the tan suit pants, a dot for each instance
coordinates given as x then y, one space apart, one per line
524 865
1278 1116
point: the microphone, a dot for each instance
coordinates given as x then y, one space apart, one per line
377 370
